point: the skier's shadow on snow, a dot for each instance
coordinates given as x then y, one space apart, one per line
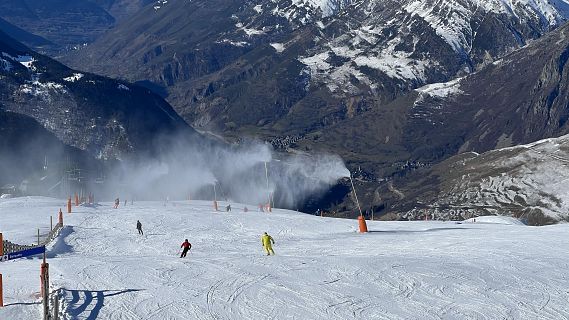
417 231
77 308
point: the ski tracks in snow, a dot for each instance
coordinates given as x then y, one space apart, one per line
321 270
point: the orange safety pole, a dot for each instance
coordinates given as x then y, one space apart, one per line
69 205
60 217
1 292
362 223
215 205
76 199
1 244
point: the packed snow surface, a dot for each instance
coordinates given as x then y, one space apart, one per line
323 268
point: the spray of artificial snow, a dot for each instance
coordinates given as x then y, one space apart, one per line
193 168
247 173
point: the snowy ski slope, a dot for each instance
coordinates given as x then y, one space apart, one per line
323 269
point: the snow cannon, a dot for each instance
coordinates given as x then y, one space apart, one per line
362 223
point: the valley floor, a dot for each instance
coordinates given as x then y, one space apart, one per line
323 268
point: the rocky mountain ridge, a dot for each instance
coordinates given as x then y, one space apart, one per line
108 118
354 51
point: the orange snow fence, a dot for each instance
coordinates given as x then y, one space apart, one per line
363 224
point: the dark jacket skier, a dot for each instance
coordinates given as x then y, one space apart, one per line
139 227
187 246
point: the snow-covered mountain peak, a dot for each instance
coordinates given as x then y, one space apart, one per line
413 42
307 11
455 20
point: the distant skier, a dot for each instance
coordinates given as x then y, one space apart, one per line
228 208
117 202
268 242
125 202
139 227
187 246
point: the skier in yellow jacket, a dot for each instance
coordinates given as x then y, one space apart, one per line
268 242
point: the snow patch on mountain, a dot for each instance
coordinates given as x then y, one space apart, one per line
441 90
307 11
74 77
518 179
27 61
252 32
279 47
453 20
234 43
123 87
395 65
328 7
159 4
41 90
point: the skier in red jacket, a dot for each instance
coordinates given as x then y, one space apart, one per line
187 246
